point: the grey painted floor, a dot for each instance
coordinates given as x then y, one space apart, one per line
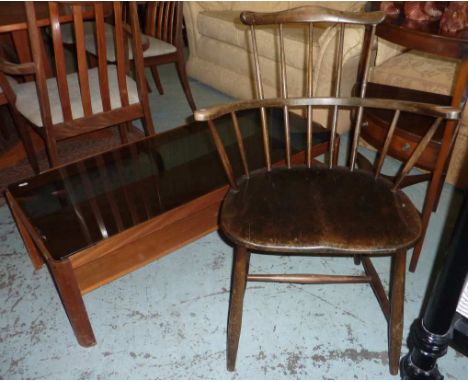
168 320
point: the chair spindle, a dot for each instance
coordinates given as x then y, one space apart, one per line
338 72
240 143
284 95
258 80
417 152
223 155
387 142
310 83
357 128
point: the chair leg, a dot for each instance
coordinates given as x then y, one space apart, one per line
397 293
429 205
238 284
157 80
51 145
26 139
182 73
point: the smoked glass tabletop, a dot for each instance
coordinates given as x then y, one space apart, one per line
78 205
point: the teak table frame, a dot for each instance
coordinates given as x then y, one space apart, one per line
122 253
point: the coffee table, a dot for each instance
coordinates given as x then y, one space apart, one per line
97 219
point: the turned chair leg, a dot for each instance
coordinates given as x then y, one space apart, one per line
429 204
157 80
238 284
397 293
25 136
182 73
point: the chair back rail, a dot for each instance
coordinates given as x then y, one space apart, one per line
439 113
310 16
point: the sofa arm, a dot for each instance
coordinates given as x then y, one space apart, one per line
191 11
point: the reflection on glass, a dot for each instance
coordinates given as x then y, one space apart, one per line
78 205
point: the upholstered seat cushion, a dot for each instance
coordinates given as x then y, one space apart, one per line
319 210
419 71
28 105
156 47
429 73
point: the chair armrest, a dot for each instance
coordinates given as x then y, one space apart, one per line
17 69
437 111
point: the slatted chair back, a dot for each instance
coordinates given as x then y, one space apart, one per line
90 99
164 21
311 16
82 11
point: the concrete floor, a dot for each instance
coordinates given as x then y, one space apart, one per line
168 320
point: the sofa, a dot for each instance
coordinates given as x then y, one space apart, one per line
220 48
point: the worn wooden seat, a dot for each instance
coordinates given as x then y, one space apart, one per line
309 208
338 211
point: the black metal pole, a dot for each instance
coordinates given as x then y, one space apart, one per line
431 334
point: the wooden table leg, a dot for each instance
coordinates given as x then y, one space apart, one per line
72 300
31 248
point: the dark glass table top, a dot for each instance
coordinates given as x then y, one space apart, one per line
78 205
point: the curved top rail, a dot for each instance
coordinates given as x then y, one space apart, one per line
437 111
312 14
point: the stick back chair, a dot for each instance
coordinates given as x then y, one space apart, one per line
72 104
312 208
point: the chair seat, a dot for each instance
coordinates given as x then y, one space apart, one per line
319 210
156 47
27 101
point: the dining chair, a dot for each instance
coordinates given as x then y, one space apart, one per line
309 208
75 103
162 37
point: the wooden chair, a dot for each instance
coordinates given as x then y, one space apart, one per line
306 208
72 104
163 38
164 22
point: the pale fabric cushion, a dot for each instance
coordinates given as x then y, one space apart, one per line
225 26
156 47
387 50
417 70
12 83
222 25
28 105
420 71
